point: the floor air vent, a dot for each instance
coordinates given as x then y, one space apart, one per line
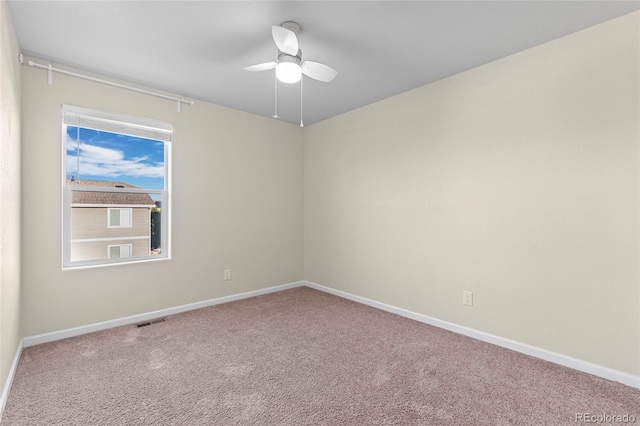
154 321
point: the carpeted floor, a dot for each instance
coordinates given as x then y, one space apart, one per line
298 357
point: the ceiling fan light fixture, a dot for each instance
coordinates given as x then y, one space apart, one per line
288 69
288 72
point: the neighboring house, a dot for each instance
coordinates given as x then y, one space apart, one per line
108 225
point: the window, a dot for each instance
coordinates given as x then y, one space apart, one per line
121 251
116 198
119 218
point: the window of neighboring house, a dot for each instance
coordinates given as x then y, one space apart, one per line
116 171
120 251
119 218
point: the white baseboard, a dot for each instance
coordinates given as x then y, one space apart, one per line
7 385
576 364
90 328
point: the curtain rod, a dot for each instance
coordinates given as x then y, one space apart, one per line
51 69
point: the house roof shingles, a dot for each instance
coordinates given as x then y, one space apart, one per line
115 198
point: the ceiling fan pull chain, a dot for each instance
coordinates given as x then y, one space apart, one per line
301 103
275 113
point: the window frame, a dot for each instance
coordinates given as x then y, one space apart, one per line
125 125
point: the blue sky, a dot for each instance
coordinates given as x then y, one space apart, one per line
115 157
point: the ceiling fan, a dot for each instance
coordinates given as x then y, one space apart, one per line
289 65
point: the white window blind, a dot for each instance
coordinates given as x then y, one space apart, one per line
116 123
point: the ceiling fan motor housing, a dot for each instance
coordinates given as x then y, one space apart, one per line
283 57
291 26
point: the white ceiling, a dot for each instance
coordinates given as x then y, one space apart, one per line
199 48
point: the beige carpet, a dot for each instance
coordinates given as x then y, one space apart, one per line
298 357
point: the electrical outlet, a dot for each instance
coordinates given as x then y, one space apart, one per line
467 298
227 274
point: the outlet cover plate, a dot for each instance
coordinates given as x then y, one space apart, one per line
467 298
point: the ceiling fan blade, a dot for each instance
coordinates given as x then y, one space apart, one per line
285 39
261 67
318 71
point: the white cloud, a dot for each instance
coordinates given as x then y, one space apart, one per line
106 162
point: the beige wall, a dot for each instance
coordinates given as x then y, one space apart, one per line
237 203
9 194
518 181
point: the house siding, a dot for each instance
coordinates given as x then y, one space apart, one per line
90 223
98 250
